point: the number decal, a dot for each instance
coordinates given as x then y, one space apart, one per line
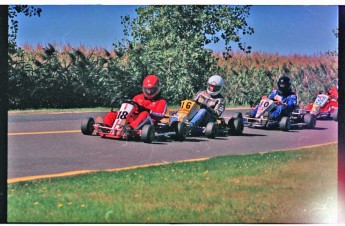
320 100
266 104
188 104
122 115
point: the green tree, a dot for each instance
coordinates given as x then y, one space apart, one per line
170 42
17 78
13 12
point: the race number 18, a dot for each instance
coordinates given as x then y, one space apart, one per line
122 115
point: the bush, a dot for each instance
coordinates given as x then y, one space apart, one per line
66 77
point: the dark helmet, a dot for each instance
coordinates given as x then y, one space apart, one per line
284 84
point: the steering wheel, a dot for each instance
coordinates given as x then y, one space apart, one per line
138 106
129 101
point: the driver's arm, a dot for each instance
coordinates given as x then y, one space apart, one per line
219 108
196 96
271 95
160 109
291 102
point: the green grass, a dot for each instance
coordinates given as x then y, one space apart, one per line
298 186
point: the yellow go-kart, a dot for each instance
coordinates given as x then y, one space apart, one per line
188 109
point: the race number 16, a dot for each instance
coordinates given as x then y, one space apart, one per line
186 104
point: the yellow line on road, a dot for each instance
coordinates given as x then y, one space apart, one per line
314 146
43 132
303 147
73 173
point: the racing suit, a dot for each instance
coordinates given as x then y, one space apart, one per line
289 101
211 107
333 93
156 109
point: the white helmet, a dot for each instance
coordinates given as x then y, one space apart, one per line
215 85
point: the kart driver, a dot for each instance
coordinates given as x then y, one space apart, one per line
212 102
333 94
285 100
152 107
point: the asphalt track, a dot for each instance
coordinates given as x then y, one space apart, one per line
52 144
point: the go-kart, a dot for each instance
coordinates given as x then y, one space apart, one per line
121 130
219 127
324 107
298 118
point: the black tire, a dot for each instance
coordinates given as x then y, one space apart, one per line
335 115
211 130
284 124
87 126
237 115
148 134
181 131
236 127
309 120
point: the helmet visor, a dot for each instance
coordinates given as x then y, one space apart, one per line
150 92
284 87
213 88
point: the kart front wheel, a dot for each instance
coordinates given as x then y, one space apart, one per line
335 115
310 121
236 127
181 131
211 130
284 124
87 126
147 134
237 115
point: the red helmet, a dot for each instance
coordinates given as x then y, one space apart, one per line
151 86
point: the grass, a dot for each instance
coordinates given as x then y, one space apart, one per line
298 186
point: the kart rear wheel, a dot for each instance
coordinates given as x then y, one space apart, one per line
87 126
211 130
284 124
181 131
335 115
235 126
309 120
148 134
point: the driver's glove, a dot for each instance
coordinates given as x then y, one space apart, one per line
142 108
203 106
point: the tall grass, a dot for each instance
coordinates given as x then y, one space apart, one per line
252 75
63 76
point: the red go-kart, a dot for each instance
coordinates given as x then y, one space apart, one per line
325 106
121 130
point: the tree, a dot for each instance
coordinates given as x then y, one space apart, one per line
170 41
13 12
